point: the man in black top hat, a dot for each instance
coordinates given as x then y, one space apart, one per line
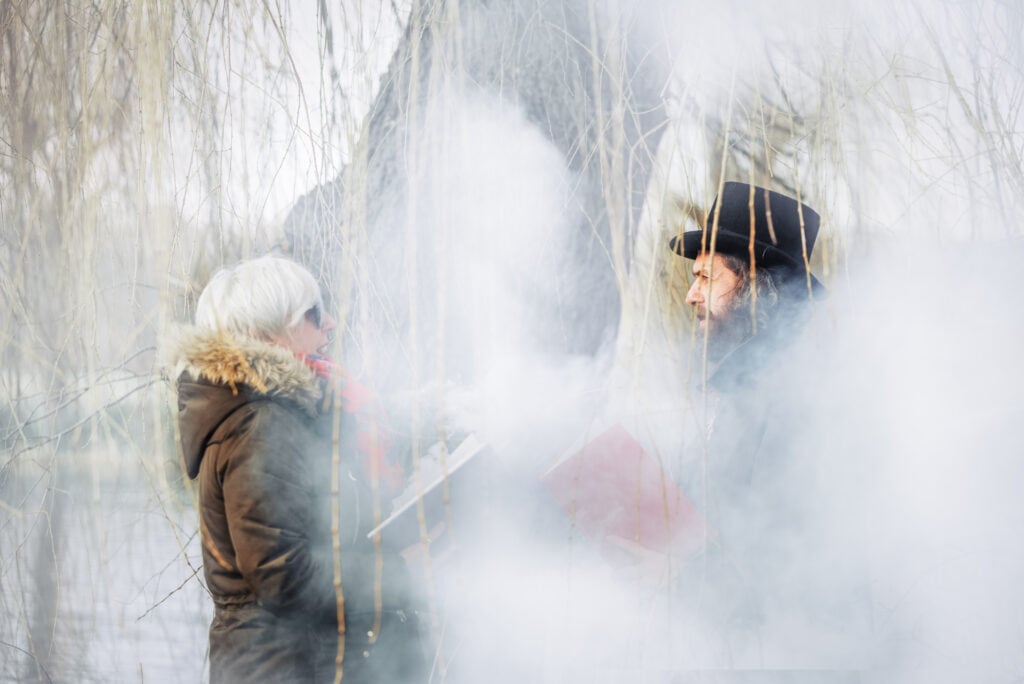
752 475
751 293
751 273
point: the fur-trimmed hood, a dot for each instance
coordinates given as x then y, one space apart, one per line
216 373
232 360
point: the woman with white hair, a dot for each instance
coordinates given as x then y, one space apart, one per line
256 406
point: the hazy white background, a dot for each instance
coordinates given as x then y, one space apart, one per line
140 147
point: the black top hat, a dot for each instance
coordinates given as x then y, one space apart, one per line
777 230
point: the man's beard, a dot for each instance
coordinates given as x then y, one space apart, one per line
729 329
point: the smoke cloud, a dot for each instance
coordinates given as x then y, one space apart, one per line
510 278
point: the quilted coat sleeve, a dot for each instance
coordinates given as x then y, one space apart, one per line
277 507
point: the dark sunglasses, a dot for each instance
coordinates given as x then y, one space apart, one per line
315 316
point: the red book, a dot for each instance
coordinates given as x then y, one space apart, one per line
612 487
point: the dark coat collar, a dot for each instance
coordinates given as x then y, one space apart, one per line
217 373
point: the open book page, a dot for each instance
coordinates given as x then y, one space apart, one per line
431 483
610 487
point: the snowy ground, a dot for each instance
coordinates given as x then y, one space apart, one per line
111 594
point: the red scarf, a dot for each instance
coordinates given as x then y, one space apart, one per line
372 439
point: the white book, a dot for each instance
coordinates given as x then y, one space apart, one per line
470 447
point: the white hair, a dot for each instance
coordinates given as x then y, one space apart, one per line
260 298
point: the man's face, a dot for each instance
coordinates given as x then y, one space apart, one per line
713 291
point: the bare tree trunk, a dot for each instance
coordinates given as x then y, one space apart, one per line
575 72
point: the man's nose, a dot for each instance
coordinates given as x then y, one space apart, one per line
693 295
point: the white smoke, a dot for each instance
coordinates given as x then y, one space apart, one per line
910 407
926 370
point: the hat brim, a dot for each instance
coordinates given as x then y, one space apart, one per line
690 244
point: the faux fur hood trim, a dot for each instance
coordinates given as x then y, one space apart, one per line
233 360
